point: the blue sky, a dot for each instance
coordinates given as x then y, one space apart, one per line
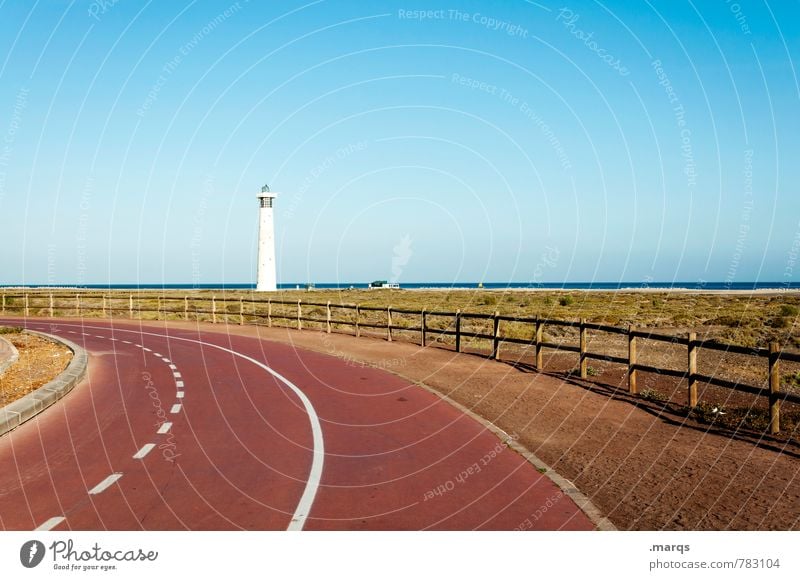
427 141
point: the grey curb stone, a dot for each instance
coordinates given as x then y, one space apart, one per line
21 410
4 364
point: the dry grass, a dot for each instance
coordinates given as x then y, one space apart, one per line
40 361
747 320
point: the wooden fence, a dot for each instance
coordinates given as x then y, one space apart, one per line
254 311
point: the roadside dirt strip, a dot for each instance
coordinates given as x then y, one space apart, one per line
187 427
37 400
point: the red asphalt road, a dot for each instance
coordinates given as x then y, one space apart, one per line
239 452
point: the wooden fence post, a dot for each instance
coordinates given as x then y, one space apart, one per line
774 388
328 317
496 335
4 304
423 325
389 324
51 305
77 305
158 307
582 356
213 309
539 334
186 308
358 315
299 315
632 361
27 306
241 311
104 305
692 370
458 330
269 312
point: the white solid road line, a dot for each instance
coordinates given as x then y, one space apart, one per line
50 524
105 484
318 457
142 453
175 409
165 426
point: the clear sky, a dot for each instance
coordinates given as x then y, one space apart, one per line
417 141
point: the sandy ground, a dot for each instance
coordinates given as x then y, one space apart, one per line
644 466
40 361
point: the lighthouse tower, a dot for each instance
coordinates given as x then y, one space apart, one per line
266 278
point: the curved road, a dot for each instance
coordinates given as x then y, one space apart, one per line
179 429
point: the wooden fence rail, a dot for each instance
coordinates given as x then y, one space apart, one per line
295 313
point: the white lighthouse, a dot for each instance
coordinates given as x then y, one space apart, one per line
266 278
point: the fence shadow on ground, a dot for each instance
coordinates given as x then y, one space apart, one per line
671 413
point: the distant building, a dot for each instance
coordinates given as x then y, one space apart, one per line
383 284
266 280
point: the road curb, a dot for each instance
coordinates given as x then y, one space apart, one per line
4 364
15 414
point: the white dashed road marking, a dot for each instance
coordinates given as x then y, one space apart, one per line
105 484
144 451
317 462
50 524
147 448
